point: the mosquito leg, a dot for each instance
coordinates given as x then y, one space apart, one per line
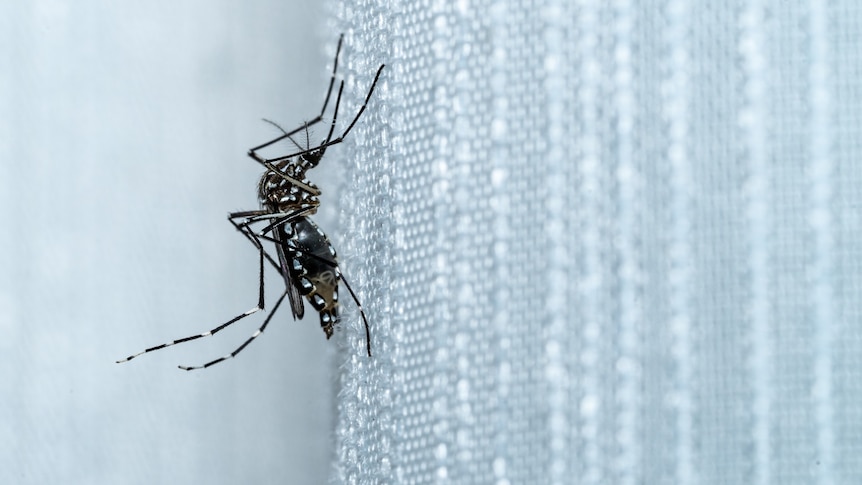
332 78
281 222
364 103
252 217
210 333
361 311
334 115
281 218
241 214
247 232
314 121
306 209
241 347
340 139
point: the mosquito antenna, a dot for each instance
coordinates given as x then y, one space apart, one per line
273 123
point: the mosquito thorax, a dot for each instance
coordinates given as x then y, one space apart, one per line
279 194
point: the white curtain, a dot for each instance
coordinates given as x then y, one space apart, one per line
603 242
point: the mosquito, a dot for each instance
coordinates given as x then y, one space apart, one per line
305 258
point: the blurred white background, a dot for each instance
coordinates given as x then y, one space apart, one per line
122 149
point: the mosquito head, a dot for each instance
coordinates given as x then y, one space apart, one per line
311 159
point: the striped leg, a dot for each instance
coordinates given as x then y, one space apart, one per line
241 347
212 332
260 301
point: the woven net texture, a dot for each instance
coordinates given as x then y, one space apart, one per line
602 242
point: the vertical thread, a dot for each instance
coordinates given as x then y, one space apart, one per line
676 117
630 271
591 405
558 351
820 221
753 121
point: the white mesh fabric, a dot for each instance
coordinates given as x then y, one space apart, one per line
603 243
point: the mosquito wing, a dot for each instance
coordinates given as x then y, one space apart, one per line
293 294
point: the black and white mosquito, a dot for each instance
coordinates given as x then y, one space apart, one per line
305 257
